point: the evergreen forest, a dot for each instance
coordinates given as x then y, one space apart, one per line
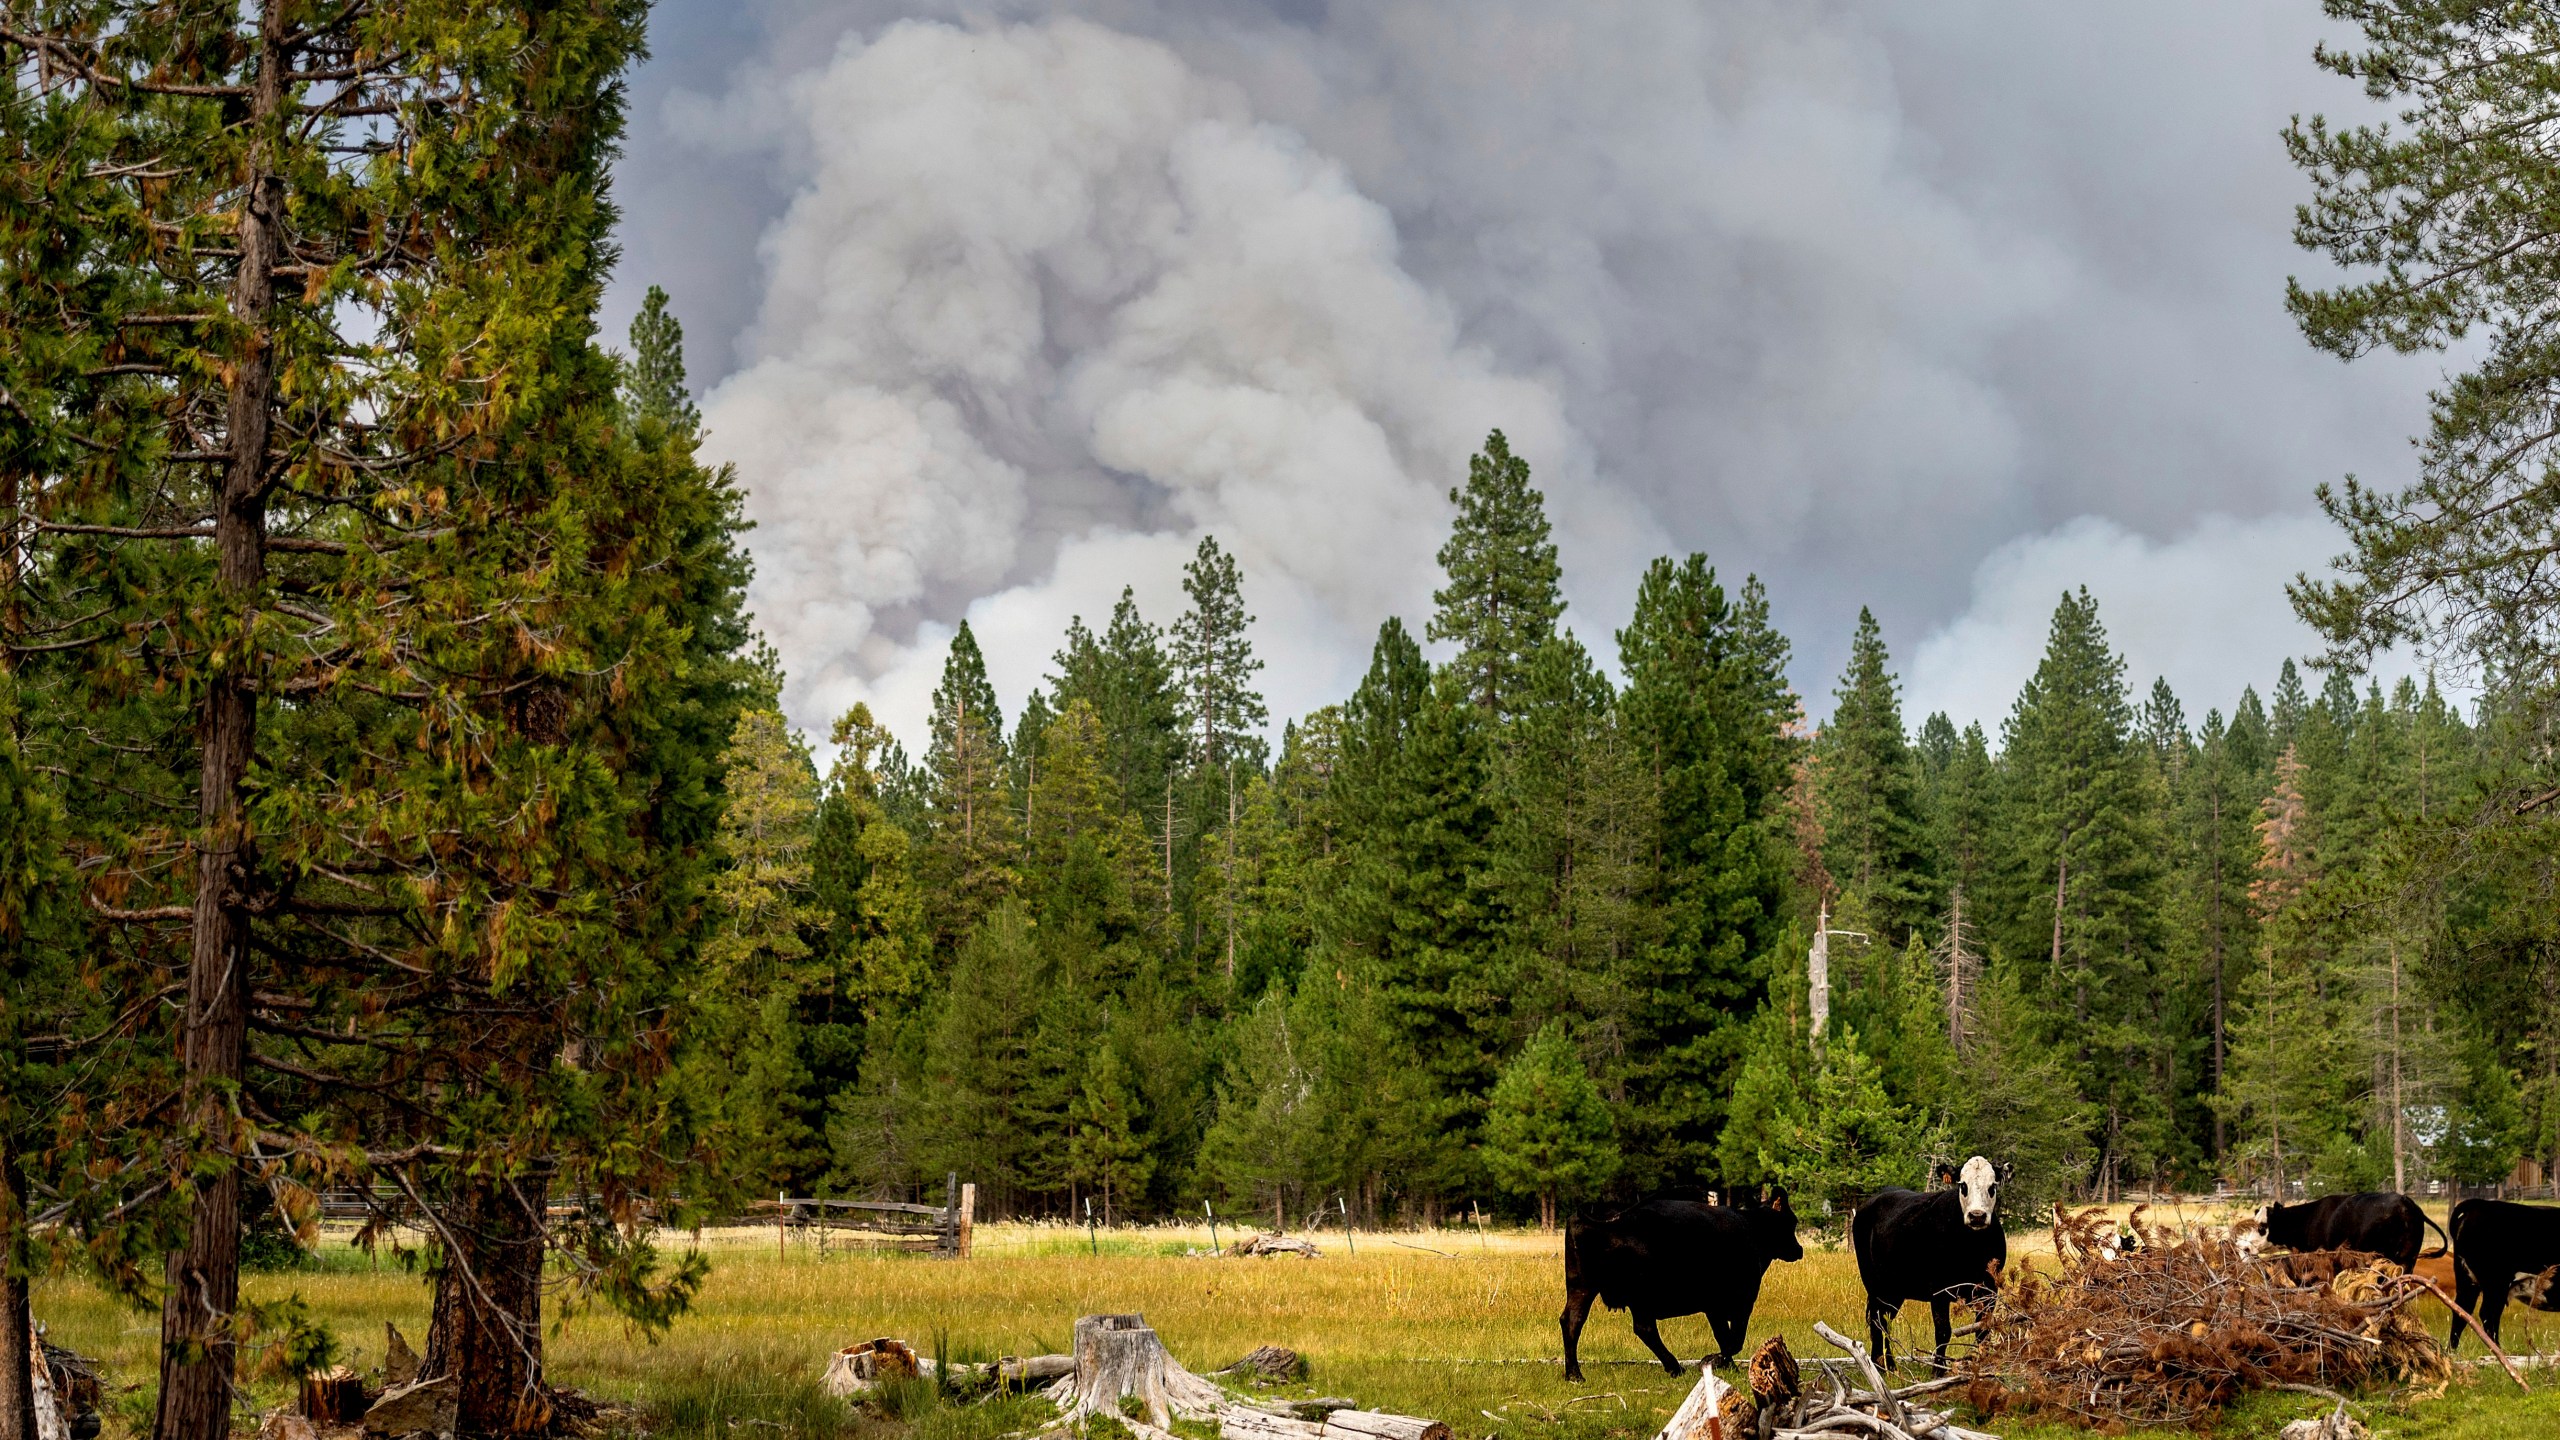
396 797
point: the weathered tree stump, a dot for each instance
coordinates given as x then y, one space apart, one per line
1119 1356
334 1397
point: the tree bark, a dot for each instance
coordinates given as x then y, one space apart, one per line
17 1339
196 1357
486 1331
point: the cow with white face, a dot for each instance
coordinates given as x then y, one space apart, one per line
1977 1191
1941 1246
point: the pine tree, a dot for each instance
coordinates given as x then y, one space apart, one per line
1214 666
1707 710
1267 1147
2216 816
1407 900
1107 1148
971 849
761 963
1848 1136
382 596
653 387
2284 720
1866 793
1547 1133
2018 1096
981 1067
1570 856
1124 675
862 875
1088 864
1958 796
1504 593
2079 882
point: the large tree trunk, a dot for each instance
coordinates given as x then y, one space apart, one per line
487 1327
17 1377
204 1276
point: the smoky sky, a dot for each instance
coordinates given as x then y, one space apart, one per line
1935 309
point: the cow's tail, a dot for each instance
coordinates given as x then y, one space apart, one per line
2432 1225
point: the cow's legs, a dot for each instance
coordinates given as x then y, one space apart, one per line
2465 1294
1938 1327
1653 1341
1880 1315
2494 1289
1729 1333
1577 1308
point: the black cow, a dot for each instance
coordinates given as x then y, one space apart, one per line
2377 1222
1675 1257
2494 1241
1940 1246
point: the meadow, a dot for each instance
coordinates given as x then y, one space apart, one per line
1458 1324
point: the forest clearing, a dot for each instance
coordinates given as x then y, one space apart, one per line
488 815
1456 1324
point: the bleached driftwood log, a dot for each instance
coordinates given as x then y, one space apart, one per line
1013 1370
1377 1425
1238 1422
51 1422
1701 1415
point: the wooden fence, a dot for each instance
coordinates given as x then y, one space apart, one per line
947 1226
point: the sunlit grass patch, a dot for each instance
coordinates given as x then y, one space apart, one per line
1455 1324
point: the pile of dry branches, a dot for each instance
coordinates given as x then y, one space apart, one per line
2173 1329
1848 1401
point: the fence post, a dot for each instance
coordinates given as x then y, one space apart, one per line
968 1215
781 1216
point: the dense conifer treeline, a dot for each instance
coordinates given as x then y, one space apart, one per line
1500 931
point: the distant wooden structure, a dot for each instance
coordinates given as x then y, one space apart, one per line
945 1228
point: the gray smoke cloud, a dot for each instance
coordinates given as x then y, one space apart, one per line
1934 309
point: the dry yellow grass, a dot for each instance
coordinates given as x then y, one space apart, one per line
1459 1334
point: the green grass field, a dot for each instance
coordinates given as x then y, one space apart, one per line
1467 1335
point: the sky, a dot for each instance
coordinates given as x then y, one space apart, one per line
1935 309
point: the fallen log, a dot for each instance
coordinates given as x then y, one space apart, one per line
1275 1245
1242 1423
1017 1371
1378 1425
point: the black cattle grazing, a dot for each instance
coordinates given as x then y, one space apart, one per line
2378 1222
2495 1241
1940 1246
1675 1257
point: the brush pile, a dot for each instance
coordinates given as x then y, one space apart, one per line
1844 1399
2175 1327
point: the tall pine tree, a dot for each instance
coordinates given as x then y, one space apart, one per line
1504 593
1866 790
